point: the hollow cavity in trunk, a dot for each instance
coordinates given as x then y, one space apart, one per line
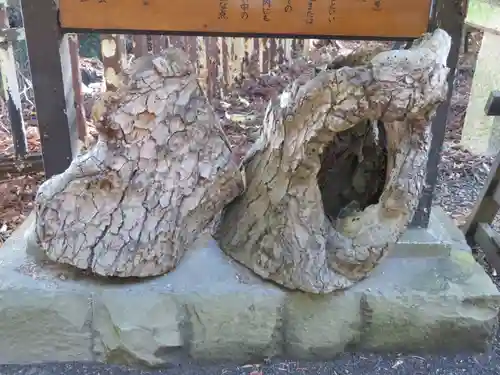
353 170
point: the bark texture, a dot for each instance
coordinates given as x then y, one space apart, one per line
381 110
159 173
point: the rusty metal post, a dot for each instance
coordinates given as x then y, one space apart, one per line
11 87
114 58
50 63
450 16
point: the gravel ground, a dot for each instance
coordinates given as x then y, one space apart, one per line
461 174
486 364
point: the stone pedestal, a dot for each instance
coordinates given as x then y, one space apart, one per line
429 295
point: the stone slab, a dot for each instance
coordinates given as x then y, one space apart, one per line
484 14
481 133
438 239
432 305
213 309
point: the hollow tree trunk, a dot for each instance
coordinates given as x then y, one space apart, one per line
279 227
159 173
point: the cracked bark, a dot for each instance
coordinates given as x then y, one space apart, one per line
158 175
280 227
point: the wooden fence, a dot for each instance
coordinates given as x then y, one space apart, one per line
479 229
219 61
19 158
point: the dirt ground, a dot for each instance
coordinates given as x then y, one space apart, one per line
17 191
461 174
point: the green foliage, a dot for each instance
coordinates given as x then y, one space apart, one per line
90 45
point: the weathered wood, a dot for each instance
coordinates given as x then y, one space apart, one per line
159 173
489 241
11 87
30 163
374 18
481 132
496 195
114 58
486 207
279 227
140 47
81 121
12 35
492 107
159 43
477 229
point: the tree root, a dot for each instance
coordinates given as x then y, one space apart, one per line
279 228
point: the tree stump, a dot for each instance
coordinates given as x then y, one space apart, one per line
363 133
159 173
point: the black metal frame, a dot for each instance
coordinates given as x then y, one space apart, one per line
450 16
236 35
48 52
49 57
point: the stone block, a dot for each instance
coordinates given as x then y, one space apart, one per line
429 305
438 239
235 327
134 326
38 320
230 313
39 324
322 326
212 309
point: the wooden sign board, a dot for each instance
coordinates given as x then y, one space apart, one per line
391 19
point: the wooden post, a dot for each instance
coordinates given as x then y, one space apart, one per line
492 107
114 58
81 122
159 43
140 45
478 229
50 61
11 88
488 204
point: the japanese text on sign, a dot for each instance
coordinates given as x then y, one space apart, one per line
373 18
